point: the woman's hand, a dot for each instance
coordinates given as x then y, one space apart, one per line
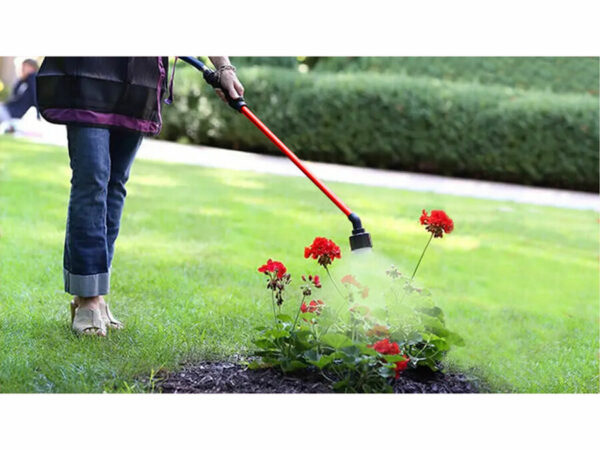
227 77
231 84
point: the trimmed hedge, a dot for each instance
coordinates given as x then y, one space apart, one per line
289 62
557 74
400 122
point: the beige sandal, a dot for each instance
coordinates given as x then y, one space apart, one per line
87 321
110 320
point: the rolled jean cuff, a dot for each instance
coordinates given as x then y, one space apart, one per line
87 285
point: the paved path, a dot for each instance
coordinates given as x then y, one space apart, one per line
230 159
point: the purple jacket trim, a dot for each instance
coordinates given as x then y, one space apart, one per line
93 117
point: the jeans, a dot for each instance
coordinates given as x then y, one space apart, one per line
101 160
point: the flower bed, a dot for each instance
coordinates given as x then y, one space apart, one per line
369 339
234 377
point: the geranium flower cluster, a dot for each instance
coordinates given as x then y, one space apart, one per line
385 347
278 278
323 250
273 268
437 223
315 306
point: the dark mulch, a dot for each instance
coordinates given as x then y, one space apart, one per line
229 377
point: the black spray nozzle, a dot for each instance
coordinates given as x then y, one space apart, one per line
359 239
210 76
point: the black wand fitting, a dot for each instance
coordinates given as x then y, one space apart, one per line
359 239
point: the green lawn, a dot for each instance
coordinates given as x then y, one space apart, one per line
519 282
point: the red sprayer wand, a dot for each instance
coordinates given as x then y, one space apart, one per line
359 239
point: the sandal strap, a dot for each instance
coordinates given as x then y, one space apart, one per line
86 319
111 319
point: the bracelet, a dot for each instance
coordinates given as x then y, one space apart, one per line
222 69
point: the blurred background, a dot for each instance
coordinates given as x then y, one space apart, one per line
524 120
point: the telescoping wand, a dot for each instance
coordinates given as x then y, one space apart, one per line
359 239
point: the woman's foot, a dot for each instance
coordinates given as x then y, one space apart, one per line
86 316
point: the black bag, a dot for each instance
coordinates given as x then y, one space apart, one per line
120 92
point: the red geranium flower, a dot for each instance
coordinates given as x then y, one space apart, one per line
314 306
273 268
401 365
324 250
385 347
437 223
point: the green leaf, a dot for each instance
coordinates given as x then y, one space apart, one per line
414 338
290 366
393 358
433 312
320 362
429 363
351 350
253 365
311 355
455 339
276 334
379 313
336 340
285 318
386 371
264 343
435 326
303 334
441 344
367 350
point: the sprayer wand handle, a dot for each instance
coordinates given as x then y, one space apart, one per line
211 78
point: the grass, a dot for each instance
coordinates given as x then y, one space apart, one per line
518 282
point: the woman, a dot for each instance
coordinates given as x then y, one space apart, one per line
108 105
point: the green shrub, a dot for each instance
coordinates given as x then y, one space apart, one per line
542 73
401 122
290 62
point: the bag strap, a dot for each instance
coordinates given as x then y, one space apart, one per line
169 99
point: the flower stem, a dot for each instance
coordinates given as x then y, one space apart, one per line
416 268
421 258
298 313
273 305
334 283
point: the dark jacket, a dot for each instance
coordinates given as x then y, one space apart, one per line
22 98
112 92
